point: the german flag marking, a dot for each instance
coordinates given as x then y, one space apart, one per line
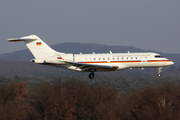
38 43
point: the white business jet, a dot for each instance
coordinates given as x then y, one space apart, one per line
91 62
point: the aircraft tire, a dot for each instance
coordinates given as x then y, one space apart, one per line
91 75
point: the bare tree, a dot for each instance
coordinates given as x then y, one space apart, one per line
13 101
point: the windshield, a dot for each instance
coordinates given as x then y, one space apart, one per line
158 56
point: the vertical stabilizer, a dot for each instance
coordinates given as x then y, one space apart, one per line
37 47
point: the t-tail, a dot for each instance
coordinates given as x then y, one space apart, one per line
37 47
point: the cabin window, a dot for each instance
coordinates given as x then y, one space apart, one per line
136 58
94 58
108 58
131 58
122 58
103 58
99 58
117 58
127 58
113 59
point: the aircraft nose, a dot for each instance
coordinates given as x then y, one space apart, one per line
170 63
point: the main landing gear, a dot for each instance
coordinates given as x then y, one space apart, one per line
91 75
159 71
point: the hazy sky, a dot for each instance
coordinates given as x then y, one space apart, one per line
146 24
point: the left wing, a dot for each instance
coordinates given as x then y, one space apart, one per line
92 67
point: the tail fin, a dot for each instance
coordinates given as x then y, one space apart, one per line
37 47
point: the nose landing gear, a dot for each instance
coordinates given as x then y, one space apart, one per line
159 71
91 75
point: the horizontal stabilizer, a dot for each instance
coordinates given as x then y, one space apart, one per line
19 39
27 38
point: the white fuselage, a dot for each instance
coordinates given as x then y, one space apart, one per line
118 60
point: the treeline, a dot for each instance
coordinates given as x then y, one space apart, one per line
121 83
78 100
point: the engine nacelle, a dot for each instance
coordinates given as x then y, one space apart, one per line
37 61
67 57
60 59
56 59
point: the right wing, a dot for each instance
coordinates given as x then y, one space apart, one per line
92 67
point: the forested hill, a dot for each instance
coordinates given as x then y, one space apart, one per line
25 55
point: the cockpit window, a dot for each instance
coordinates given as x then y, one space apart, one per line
158 56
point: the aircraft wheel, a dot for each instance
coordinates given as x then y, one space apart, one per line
159 71
91 75
159 75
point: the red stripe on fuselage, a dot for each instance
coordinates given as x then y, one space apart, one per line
125 61
159 61
111 62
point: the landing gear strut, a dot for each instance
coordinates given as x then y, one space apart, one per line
91 75
159 71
